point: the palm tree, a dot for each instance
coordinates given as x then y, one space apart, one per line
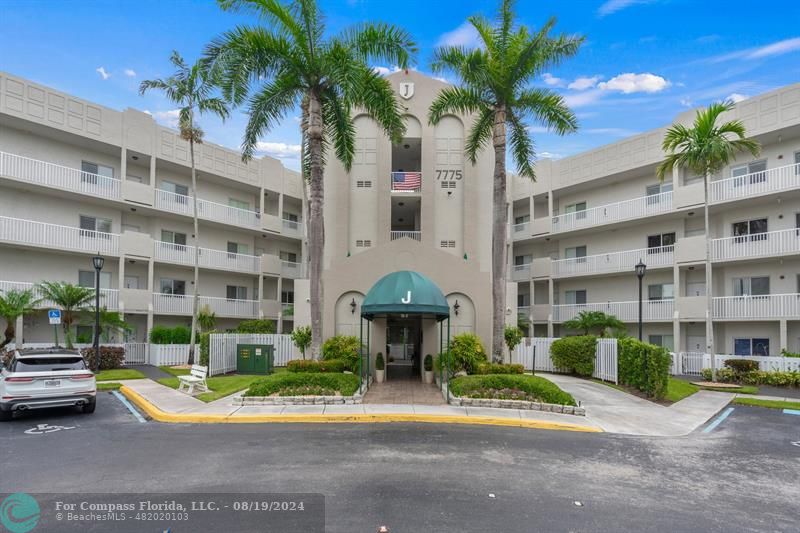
290 62
110 322
70 298
705 149
206 318
495 86
14 304
190 87
594 321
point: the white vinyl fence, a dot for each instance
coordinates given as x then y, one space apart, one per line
136 353
538 349
172 354
222 349
693 363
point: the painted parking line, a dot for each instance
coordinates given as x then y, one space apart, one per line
791 411
717 421
130 407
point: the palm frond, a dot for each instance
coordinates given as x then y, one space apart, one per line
456 100
381 42
479 134
547 108
523 152
267 108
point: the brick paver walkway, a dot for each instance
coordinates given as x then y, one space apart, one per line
404 391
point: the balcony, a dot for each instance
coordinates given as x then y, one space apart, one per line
520 231
292 228
607 214
58 177
181 304
396 235
757 307
406 182
768 244
613 262
292 270
109 298
208 258
521 272
206 209
54 236
652 310
755 184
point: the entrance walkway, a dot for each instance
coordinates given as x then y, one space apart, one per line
405 392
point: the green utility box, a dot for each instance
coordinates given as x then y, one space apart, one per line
255 358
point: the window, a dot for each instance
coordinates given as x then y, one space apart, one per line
578 208
661 291
289 257
95 227
173 286
523 300
522 219
181 190
235 292
238 204
665 341
137 179
174 238
755 172
287 297
755 286
656 243
797 162
754 346
131 282
237 248
659 188
291 217
577 253
86 279
575 297
90 171
520 260
750 230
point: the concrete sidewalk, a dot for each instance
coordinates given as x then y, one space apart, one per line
168 405
619 412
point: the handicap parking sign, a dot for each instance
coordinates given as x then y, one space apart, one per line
54 315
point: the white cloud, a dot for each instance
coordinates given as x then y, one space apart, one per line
102 71
583 98
736 97
443 80
584 82
614 132
550 155
130 72
612 6
552 81
167 118
464 35
635 83
773 49
385 71
278 150
686 102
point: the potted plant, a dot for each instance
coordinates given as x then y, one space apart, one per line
380 368
427 375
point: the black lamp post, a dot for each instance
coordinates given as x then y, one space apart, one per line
97 262
641 269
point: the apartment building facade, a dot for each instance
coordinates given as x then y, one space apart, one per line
578 232
77 179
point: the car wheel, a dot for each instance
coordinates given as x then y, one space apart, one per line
89 407
6 415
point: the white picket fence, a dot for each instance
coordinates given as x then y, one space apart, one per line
693 363
222 349
136 353
171 354
538 349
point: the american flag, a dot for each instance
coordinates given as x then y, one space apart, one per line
406 181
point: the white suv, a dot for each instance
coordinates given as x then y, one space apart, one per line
52 377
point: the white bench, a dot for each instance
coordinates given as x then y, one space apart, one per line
195 378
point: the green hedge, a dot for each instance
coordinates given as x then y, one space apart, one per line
643 366
342 347
165 335
204 339
575 354
256 326
466 353
741 365
308 365
304 383
497 368
510 386
755 377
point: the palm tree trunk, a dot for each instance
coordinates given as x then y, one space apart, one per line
192 335
499 232
316 224
9 333
709 298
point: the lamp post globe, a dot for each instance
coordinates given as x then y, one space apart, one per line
641 270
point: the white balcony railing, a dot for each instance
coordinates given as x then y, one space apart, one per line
109 298
395 235
209 258
625 311
521 231
292 270
606 214
756 183
57 176
291 227
758 307
613 261
768 244
521 272
30 232
406 181
181 304
206 209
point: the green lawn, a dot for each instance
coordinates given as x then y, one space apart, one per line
119 373
220 386
678 389
175 371
771 404
108 385
744 389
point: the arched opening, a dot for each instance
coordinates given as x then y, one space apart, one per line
347 313
407 182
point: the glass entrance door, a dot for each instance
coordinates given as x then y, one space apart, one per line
403 344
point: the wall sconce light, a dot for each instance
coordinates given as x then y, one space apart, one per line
456 307
353 306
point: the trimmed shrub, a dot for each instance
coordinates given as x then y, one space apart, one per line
181 335
466 353
256 325
344 347
510 387
428 363
497 368
204 339
786 353
165 335
755 377
308 365
575 354
379 363
643 366
110 357
741 365
304 383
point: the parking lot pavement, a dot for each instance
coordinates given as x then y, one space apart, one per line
756 430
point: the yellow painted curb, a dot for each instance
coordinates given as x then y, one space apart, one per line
157 414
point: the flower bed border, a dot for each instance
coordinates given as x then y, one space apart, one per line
298 400
517 404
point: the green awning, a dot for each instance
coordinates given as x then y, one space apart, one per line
405 292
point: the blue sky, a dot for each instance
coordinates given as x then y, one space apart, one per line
644 61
